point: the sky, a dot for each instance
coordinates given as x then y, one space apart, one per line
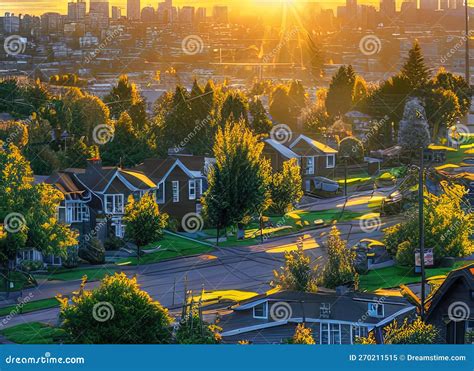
38 7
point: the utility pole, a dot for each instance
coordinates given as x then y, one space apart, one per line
468 72
422 233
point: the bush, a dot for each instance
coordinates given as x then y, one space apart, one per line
93 252
114 243
352 148
193 330
405 254
117 312
31 265
72 258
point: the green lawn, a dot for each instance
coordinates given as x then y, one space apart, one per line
396 276
34 333
456 157
171 247
30 306
283 225
20 281
93 274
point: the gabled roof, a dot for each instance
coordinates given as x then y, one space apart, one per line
466 274
159 169
283 150
65 182
315 144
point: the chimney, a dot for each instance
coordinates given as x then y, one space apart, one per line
94 164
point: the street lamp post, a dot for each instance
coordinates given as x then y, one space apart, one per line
466 13
422 232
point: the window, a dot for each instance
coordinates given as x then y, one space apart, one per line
330 333
260 310
199 187
175 187
330 161
192 189
198 209
114 204
375 310
160 193
307 185
119 228
309 165
359 332
76 212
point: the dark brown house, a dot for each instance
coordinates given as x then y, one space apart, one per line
277 153
316 159
180 181
451 308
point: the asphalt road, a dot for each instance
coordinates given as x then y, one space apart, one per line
243 268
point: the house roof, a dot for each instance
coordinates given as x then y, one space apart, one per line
315 144
283 150
465 274
158 169
350 308
65 183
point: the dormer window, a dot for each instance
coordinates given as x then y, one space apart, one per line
375 310
261 311
325 310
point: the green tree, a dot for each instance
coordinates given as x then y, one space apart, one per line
340 93
286 188
297 100
416 332
442 110
261 124
297 274
447 227
316 120
414 133
316 58
124 97
303 335
77 154
192 329
235 107
117 312
458 85
351 148
127 148
339 268
238 182
415 69
144 222
280 109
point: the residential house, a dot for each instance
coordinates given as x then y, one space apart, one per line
334 317
277 153
180 180
316 159
451 307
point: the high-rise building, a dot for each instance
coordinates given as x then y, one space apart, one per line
133 10
116 12
220 13
148 14
10 23
76 11
186 14
201 14
388 8
165 11
51 23
99 7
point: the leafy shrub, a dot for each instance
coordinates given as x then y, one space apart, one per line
405 254
352 148
113 243
93 252
31 265
117 312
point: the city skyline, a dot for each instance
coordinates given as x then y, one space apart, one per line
39 7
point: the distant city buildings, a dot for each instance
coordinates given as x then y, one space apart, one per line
133 10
